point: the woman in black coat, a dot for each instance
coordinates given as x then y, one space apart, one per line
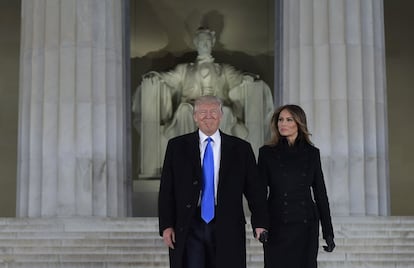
297 197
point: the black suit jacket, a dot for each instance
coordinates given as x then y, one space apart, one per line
179 193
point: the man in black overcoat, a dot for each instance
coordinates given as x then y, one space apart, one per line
220 243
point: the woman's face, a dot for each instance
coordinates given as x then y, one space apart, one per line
287 126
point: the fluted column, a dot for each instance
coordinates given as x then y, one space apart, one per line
72 159
334 67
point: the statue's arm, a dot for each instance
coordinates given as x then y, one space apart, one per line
174 78
168 84
233 76
171 79
236 77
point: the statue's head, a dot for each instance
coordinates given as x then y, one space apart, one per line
204 40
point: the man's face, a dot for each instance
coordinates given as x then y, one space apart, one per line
207 117
204 44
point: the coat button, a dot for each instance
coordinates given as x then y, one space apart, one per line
188 205
303 203
305 221
195 182
285 194
285 203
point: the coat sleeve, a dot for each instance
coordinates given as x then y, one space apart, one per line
321 198
263 169
166 195
256 193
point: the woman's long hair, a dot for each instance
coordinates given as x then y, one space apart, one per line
300 118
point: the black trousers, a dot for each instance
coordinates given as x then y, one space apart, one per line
200 249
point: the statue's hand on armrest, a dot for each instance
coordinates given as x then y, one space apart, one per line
250 77
151 80
151 74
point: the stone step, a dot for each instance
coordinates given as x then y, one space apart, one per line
134 242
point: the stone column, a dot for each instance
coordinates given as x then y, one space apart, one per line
72 127
334 67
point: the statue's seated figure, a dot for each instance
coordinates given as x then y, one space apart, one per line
163 103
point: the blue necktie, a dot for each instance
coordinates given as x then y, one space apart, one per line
207 198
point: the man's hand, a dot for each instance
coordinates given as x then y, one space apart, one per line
330 244
168 235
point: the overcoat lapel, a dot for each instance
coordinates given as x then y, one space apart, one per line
225 155
225 161
194 153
